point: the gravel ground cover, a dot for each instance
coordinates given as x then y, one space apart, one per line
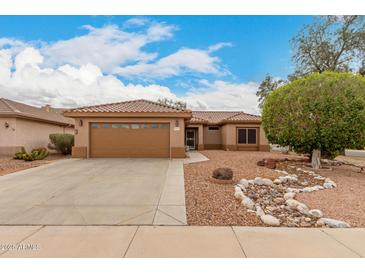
10 165
209 203
214 204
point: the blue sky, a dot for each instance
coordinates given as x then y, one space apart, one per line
209 61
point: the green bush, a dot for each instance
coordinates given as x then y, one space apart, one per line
62 142
20 155
324 112
39 153
36 154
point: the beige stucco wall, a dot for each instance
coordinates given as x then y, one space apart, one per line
32 134
229 137
212 137
26 133
177 137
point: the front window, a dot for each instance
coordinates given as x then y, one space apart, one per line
246 136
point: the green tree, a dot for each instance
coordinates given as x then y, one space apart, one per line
172 103
319 113
334 43
267 85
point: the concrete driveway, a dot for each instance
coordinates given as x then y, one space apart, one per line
95 191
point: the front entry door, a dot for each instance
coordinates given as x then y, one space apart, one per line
190 138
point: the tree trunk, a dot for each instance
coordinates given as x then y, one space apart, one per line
316 158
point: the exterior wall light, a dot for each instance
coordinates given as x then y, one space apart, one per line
81 123
6 125
176 123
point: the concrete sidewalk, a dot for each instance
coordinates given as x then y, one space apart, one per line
180 241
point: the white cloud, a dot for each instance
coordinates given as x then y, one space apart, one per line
136 22
218 46
221 95
183 61
107 47
69 86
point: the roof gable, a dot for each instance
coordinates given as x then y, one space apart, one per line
221 117
13 108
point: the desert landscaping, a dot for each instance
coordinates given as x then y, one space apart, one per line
290 193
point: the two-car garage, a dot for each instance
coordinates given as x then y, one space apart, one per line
129 140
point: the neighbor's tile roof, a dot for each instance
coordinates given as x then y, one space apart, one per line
131 106
217 117
52 115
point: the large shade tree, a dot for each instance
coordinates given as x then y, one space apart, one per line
334 43
319 113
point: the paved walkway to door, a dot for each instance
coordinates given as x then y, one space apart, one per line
182 241
95 192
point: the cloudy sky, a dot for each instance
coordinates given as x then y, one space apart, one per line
209 62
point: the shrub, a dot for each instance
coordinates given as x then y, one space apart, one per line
20 155
39 153
223 173
36 154
62 142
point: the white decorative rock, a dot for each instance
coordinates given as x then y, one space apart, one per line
238 194
312 188
259 181
277 181
332 223
244 183
315 213
295 190
270 220
303 209
259 211
289 195
251 182
268 182
248 203
328 184
295 204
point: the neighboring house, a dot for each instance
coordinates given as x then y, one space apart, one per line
143 128
26 126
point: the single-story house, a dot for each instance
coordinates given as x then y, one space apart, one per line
143 128
27 126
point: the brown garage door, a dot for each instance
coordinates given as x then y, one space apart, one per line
129 140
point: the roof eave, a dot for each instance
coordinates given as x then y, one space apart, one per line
34 118
74 114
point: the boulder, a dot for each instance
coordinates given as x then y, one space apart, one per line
270 220
223 173
289 195
315 213
248 203
269 163
332 223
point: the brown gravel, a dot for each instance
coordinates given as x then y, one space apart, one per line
346 202
208 203
10 165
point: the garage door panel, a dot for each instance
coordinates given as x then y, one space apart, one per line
140 141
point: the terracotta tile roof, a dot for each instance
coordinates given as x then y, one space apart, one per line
131 106
47 114
218 117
